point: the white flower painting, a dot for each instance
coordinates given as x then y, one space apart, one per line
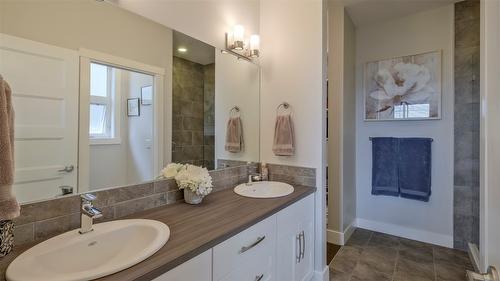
404 88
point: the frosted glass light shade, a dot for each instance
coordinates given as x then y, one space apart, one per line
238 33
254 42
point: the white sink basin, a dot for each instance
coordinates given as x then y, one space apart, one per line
264 189
111 247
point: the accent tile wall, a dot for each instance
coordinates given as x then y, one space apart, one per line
193 134
466 172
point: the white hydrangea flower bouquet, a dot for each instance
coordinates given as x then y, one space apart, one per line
194 180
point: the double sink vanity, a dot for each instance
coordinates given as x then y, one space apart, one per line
233 235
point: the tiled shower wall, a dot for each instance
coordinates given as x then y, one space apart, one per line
193 113
209 115
466 170
187 105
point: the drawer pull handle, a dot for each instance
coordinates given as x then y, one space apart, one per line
246 248
298 243
258 278
302 253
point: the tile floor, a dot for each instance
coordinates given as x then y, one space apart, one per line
373 256
331 251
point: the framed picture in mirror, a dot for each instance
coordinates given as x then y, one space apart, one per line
133 108
147 95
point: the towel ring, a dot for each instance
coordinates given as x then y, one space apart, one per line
234 111
284 106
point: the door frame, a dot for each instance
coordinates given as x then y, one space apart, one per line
489 135
88 56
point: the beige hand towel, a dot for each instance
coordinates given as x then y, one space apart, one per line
234 135
9 208
284 138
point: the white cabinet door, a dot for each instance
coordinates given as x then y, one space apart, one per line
195 269
44 82
295 241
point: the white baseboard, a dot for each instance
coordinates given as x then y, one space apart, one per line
322 275
409 233
349 231
340 238
334 237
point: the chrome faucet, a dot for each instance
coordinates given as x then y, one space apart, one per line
253 178
88 213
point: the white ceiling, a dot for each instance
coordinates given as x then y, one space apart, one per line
197 51
364 12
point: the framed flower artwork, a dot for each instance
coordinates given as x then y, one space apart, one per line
403 88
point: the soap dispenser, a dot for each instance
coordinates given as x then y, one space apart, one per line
264 171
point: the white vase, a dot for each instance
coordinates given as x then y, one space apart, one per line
191 197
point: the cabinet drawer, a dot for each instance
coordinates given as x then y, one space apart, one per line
261 270
249 247
198 268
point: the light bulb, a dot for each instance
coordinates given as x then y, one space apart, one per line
254 42
238 37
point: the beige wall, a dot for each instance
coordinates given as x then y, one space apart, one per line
292 70
237 84
98 26
89 24
205 20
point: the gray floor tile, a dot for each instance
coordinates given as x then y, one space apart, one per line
423 270
359 238
450 256
346 259
422 255
381 259
374 256
363 272
339 276
448 272
385 240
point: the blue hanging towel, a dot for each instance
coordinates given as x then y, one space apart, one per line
415 168
385 166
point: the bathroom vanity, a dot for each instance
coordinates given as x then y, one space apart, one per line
230 237
253 253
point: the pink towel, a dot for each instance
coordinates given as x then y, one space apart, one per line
9 208
284 138
234 135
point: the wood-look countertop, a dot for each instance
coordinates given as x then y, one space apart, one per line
197 228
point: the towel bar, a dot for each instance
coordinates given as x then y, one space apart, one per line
373 137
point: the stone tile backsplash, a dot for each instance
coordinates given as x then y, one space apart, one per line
42 220
292 174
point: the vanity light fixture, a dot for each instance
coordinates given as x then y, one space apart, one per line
238 46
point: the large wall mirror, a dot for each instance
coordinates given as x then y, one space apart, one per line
106 98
